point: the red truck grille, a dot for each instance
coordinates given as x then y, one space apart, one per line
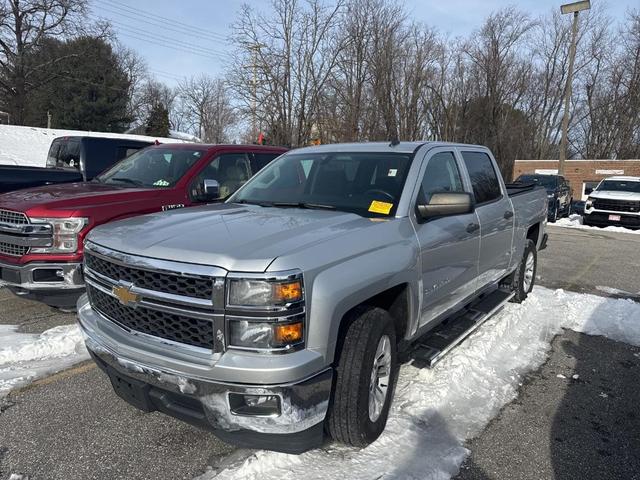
8 222
13 218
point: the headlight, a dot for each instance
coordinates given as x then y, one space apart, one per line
265 312
64 234
266 335
550 195
588 203
245 292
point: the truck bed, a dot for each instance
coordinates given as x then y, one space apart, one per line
17 177
518 188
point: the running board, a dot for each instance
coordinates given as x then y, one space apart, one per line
430 349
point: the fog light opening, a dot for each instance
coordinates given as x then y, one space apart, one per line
255 405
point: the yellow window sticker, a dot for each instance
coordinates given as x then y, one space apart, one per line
380 207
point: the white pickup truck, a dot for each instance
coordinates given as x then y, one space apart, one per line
615 201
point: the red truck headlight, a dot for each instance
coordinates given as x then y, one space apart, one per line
64 234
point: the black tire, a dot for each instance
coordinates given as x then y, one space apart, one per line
518 283
348 418
554 216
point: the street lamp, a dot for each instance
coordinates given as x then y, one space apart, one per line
574 8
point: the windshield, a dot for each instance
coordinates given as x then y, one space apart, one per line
151 167
547 181
368 184
619 186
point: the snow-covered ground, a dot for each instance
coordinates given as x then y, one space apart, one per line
436 410
575 221
25 357
29 146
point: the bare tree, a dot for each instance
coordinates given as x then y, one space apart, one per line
282 65
207 103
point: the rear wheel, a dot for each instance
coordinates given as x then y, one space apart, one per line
525 276
366 374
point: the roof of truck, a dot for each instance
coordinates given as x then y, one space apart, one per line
402 147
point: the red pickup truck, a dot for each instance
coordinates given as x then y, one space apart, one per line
42 229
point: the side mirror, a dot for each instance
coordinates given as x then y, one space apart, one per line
211 189
442 204
588 190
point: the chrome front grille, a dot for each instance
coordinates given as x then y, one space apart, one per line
177 328
190 286
14 218
179 303
13 250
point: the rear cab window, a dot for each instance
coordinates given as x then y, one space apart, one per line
484 178
64 153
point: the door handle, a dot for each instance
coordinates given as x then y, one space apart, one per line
472 227
508 214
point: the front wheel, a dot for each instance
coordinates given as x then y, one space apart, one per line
525 275
366 374
554 214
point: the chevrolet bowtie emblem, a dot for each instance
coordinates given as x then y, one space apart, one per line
125 296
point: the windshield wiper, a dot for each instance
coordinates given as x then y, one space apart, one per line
137 183
247 202
310 206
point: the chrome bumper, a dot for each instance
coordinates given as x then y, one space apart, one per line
22 276
172 371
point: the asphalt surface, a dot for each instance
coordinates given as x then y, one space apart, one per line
72 425
566 428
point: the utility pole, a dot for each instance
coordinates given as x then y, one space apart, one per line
48 119
255 48
574 8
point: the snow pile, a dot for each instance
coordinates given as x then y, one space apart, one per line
29 146
575 221
436 410
25 356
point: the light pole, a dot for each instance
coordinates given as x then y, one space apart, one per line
574 8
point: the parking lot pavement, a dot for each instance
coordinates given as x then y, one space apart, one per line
72 425
33 317
564 428
583 260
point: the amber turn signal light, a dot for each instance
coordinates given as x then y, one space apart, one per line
288 334
287 292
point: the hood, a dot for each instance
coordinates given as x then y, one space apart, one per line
615 195
72 197
236 238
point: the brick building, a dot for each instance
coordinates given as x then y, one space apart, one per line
582 174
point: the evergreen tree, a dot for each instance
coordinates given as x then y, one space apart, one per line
83 86
158 121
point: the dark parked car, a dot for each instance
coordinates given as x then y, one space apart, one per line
70 159
578 207
559 193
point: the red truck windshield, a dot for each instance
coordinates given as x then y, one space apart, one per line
152 168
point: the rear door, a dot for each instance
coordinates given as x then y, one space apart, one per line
449 245
495 213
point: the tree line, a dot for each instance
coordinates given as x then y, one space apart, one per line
340 70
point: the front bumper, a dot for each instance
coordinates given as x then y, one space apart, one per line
171 385
56 284
601 219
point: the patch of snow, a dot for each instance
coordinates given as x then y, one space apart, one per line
29 146
575 221
26 356
435 411
560 376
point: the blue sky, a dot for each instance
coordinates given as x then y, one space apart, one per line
193 41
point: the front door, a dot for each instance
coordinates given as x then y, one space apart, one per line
449 245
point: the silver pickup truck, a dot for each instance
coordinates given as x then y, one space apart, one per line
279 317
